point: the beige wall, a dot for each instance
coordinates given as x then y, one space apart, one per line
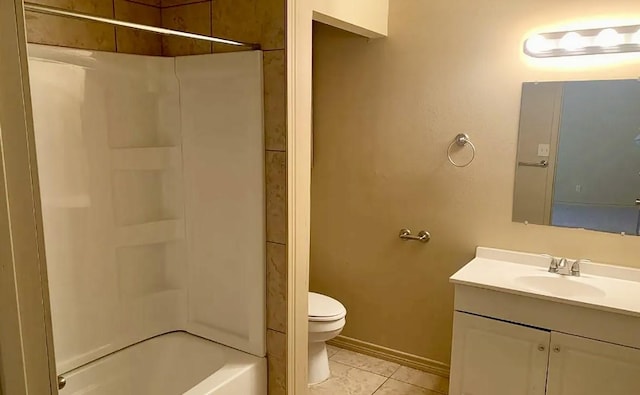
260 21
366 17
385 111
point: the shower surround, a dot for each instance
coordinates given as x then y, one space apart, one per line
152 184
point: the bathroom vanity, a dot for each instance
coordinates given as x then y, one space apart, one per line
520 330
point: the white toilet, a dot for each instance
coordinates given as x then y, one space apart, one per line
326 320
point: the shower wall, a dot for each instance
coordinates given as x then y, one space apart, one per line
66 32
261 21
223 152
134 248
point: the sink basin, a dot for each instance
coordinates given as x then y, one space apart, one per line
560 286
601 287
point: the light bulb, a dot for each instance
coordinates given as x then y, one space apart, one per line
609 38
572 41
537 44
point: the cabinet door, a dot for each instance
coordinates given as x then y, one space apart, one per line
579 366
491 357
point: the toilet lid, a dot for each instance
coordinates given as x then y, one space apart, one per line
324 308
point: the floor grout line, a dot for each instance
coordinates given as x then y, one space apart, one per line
386 378
359 368
380 386
395 371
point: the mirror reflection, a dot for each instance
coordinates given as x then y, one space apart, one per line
578 161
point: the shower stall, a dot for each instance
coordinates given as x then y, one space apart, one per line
151 173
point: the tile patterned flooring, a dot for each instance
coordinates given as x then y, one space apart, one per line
358 374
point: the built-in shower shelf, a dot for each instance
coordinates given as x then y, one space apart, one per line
150 233
151 158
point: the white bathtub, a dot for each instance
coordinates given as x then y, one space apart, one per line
171 364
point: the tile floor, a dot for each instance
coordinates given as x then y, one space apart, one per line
357 374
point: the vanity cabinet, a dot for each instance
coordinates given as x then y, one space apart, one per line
579 366
494 357
522 330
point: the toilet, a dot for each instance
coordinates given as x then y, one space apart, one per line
326 320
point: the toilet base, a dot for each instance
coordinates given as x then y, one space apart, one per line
318 363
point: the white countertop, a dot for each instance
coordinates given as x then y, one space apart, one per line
602 287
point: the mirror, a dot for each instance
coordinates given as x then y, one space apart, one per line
578 161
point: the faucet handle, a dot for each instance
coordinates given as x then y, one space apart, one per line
575 267
553 264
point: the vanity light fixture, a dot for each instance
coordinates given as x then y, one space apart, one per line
572 41
609 38
538 44
584 42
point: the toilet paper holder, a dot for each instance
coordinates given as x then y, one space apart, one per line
423 236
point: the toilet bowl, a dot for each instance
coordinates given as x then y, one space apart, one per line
326 320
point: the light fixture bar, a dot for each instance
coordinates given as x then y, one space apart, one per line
606 40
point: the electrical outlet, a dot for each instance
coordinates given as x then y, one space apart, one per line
543 149
578 188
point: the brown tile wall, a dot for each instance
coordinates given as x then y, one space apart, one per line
255 21
67 32
192 18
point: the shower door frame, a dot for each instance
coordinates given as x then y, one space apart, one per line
27 363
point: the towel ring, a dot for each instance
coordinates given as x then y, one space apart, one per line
461 140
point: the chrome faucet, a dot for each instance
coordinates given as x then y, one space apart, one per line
575 267
557 265
561 266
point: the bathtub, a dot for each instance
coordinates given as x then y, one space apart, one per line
171 364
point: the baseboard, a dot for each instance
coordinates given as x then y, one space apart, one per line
388 354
